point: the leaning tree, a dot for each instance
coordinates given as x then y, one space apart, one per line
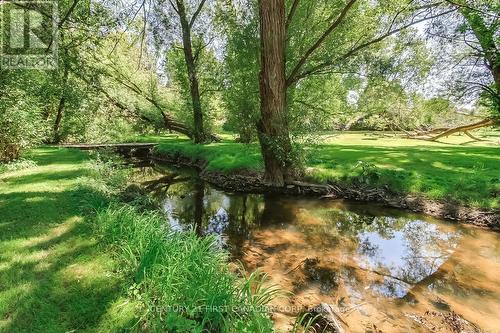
470 35
186 20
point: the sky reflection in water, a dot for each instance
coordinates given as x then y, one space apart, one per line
349 253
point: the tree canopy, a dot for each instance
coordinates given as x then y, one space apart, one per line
199 67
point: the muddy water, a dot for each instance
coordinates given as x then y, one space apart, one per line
382 270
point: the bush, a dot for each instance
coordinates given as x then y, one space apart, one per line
20 164
20 125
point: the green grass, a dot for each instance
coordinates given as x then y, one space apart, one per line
73 258
466 174
184 272
455 169
224 156
53 275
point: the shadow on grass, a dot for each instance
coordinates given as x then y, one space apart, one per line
54 276
50 155
462 174
41 177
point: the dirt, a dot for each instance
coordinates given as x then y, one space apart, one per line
251 182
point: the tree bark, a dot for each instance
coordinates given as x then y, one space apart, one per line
272 127
60 109
198 132
465 129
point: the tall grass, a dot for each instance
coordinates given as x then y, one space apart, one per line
181 281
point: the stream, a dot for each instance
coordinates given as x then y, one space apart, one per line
383 270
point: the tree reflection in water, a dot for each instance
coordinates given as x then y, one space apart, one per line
403 251
357 252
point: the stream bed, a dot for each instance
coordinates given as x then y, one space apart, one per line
383 270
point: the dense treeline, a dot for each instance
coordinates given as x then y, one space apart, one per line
274 71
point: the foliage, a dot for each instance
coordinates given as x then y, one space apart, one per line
239 26
19 164
465 44
21 121
208 69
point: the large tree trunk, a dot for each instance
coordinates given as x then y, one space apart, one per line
198 133
60 109
273 126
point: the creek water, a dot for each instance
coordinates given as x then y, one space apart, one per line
383 270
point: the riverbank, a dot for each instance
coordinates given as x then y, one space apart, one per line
443 180
83 250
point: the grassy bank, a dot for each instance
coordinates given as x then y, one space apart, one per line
53 275
75 257
456 170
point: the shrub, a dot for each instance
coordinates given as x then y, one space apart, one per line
20 125
20 164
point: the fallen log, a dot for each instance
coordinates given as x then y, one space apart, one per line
465 128
447 131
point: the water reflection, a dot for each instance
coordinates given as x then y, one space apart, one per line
344 253
406 255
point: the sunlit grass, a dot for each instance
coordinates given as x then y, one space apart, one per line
454 169
465 174
222 156
73 258
53 275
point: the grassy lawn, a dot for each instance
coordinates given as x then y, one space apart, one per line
454 169
53 275
466 174
65 267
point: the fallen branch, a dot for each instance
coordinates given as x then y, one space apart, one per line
447 131
464 128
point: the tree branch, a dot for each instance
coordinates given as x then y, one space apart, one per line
196 13
173 6
295 4
68 14
454 3
320 41
364 45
